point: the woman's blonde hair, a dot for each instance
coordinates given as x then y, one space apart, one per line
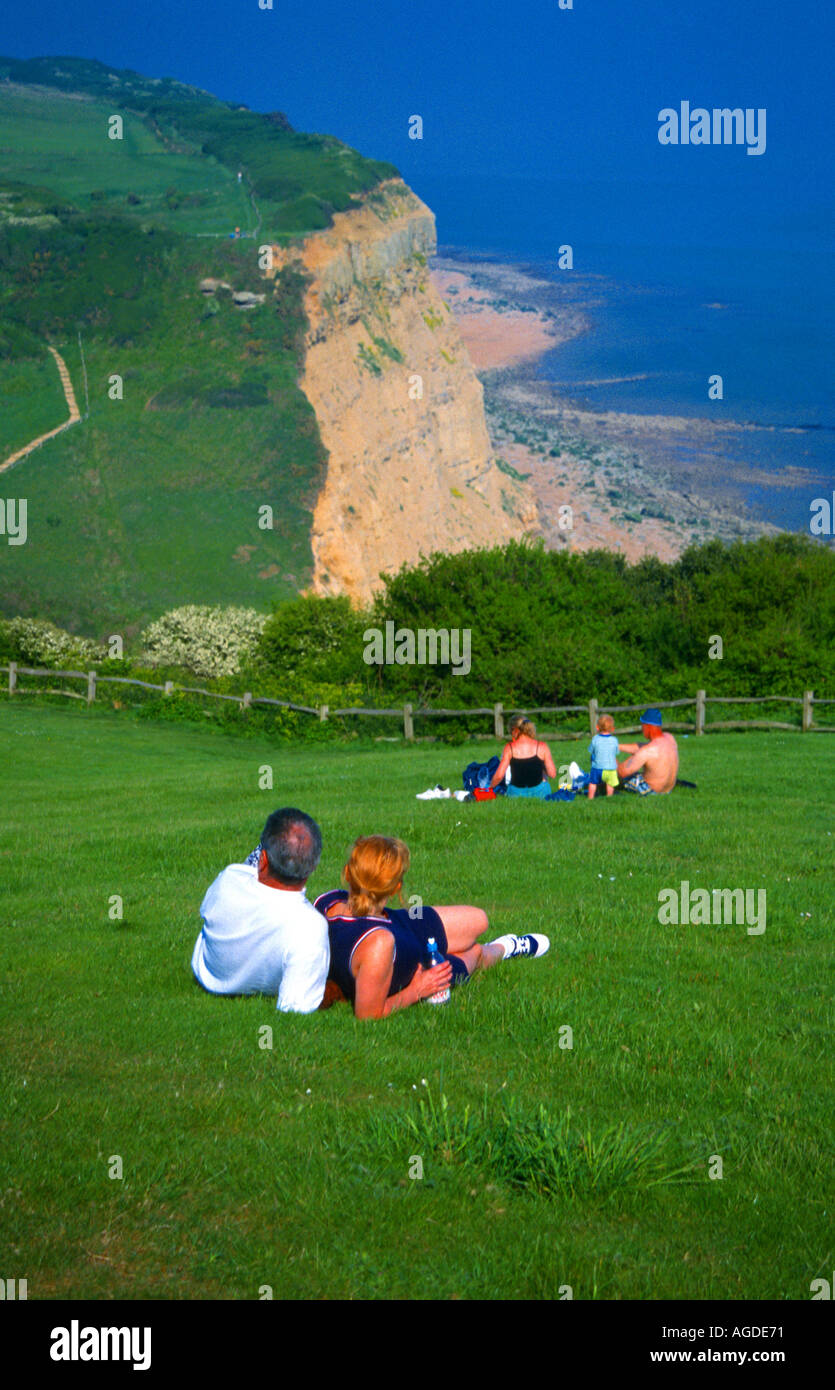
374 872
521 724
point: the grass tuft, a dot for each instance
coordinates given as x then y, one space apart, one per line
536 1151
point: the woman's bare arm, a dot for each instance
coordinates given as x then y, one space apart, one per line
373 966
548 760
498 775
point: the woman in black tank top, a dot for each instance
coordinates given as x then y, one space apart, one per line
529 760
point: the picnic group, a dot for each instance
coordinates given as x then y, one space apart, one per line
260 933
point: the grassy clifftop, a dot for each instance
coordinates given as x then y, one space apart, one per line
153 499
174 135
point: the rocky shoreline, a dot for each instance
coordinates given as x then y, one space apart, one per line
601 479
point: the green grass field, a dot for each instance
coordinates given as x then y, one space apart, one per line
153 500
61 142
245 1166
33 401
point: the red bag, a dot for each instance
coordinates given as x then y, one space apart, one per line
484 794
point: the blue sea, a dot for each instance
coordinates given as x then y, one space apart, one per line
678 285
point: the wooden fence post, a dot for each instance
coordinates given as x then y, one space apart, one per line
700 711
91 687
806 722
498 721
408 726
169 686
247 699
12 677
593 717
323 713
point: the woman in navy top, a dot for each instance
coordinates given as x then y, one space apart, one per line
378 952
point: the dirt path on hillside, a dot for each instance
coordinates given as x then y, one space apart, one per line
75 415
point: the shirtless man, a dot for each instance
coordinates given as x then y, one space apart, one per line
653 766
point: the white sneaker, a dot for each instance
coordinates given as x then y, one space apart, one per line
533 944
575 770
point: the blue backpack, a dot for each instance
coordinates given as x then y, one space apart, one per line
479 774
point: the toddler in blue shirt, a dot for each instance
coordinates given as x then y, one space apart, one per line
604 757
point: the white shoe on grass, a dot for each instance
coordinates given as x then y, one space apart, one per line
532 944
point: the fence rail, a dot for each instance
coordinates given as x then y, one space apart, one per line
699 725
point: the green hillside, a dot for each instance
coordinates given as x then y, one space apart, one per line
153 500
289 1164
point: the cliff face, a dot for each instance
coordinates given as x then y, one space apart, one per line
399 407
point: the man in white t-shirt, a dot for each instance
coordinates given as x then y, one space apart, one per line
260 934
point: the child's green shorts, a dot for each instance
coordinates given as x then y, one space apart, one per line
604 774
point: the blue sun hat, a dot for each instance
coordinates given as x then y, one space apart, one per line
652 716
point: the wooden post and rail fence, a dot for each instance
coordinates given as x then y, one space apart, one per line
407 713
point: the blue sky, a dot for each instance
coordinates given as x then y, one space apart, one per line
509 93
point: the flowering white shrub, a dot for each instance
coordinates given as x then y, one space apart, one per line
43 644
207 641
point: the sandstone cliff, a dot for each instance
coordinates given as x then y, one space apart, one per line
399 406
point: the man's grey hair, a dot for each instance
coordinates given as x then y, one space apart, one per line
292 842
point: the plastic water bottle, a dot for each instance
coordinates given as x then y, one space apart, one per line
435 958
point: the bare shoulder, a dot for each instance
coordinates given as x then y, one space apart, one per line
376 948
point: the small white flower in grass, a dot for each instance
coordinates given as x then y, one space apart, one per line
414 1088
599 875
308 1092
611 878
423 1081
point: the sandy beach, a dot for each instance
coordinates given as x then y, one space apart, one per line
493 338
618 474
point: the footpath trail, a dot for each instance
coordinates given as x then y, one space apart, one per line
74 416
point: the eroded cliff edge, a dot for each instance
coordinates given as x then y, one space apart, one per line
399 407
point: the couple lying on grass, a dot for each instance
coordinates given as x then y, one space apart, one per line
261 935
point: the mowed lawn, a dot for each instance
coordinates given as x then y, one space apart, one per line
246 1166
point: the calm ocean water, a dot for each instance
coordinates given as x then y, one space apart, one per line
678 286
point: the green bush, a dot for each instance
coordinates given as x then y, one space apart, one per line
558 628
315 639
